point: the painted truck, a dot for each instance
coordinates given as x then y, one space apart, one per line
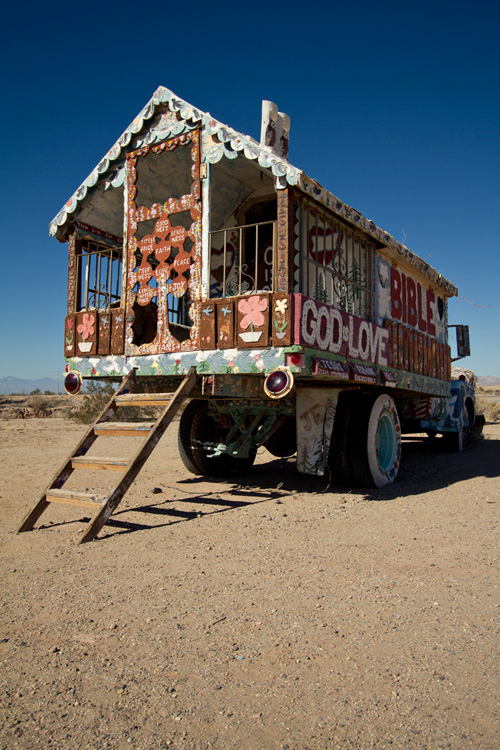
313 331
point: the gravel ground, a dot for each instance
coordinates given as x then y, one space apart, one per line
271 612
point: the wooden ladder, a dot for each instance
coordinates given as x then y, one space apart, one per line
129 468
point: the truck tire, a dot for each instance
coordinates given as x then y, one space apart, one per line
375 441
339 459
283 442
184 438
198 427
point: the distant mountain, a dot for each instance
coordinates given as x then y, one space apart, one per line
10 385
488 380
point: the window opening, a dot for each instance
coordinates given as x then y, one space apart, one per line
336 262
99 274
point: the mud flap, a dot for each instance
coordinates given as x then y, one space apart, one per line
316 409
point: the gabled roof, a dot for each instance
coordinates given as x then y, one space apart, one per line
155 123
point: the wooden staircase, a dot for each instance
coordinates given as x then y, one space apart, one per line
103 507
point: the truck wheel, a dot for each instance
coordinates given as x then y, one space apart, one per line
375 441
198 427
283 442
339 459
184 438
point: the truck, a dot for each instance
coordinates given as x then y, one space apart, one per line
310 330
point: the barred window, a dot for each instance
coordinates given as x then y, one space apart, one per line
99 274
335 261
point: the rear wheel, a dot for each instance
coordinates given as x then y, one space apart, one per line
339 459
198 434
375 441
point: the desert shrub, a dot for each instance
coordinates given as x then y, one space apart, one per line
490 409
96 397
39 404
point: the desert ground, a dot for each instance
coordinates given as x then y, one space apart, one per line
271 611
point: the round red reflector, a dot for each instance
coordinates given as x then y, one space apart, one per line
72 382
278 383
295 359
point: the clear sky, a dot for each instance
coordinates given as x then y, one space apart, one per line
395 108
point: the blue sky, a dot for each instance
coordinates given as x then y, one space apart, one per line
394 107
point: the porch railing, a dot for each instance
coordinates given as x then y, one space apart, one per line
242 259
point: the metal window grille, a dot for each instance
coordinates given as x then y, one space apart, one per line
99 270
242 259
335 262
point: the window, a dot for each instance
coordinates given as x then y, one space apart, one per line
335 261
99 274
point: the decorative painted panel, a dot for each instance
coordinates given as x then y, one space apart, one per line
70 336
252 321
104 339
283 255
164 253
281 319
225 323
208 326
87 325
117 330
71 274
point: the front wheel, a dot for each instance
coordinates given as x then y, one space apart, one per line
375 441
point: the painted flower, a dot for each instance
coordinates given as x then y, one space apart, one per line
281 305
252 309
87 327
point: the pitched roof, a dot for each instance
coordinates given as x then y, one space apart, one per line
159 120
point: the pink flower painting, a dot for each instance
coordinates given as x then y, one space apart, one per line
86 328
252 309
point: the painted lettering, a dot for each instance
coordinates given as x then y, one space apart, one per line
411 301
422 322
396 313
353 350
431 328
308 322
337 328
339 332
364 340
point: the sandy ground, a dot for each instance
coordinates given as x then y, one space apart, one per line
272 612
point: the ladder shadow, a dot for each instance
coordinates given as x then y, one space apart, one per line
121 526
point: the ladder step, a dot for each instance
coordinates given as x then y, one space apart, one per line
67 497
111 464
143 399
123 428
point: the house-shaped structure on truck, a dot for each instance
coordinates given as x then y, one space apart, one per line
192 245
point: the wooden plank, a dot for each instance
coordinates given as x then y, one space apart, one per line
67 497
124 429
81 449
94 463
252 321
143 399
140 458
225 323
